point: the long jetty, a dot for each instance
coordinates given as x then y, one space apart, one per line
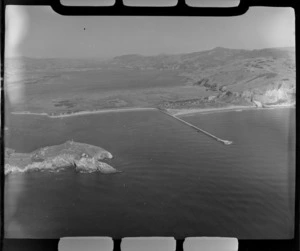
226 142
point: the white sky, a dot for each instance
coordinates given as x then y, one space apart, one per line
40 32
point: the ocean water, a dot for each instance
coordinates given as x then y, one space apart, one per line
175 181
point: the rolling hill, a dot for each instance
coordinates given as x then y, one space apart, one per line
266 76
219 77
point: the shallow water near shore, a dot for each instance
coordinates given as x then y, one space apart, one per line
175 181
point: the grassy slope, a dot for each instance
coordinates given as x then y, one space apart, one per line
234 76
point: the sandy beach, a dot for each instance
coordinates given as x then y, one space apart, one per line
183 112
63 115
174 112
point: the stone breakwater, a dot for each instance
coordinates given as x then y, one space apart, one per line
225 142
83 157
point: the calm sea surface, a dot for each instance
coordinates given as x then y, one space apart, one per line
175 181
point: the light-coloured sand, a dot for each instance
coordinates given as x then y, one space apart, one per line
63 115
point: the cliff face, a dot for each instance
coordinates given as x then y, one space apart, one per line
83 157
276 97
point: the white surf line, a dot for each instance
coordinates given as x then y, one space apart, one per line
30 113
226 142
100 111
81 113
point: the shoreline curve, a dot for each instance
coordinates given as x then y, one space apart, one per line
174 112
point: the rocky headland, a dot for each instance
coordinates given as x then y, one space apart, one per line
228 77
274 95
84 158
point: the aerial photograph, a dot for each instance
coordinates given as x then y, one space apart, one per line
149 126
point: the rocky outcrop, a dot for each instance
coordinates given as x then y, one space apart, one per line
271 95
92 165
83 157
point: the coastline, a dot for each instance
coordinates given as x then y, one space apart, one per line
173 112
190 111
63 115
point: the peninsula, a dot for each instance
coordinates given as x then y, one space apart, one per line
84 158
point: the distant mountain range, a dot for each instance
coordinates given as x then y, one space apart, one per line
203 59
